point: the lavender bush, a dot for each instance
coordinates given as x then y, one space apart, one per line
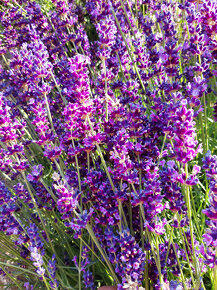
108 172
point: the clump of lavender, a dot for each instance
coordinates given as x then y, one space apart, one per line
105 112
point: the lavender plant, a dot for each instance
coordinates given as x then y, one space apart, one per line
107 144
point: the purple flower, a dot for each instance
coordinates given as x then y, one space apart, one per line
37 260
80 223
28 286
67 199
175 285
184 140
88 279
52 273
107 30
130 259
36 173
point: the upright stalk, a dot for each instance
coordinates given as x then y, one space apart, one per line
79 267
77 166
215 277
188 203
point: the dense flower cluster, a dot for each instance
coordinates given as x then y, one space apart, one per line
36 248
52 271
105 112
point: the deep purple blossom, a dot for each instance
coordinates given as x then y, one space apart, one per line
98 124
67 199
52 272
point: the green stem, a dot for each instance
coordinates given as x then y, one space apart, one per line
188 203
77 166
141 229
130 216
215 277
169 243
49 114
146 272
159 263
140 174
6 62
195 213
180 268
88 161
46 284
79 270
120 215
